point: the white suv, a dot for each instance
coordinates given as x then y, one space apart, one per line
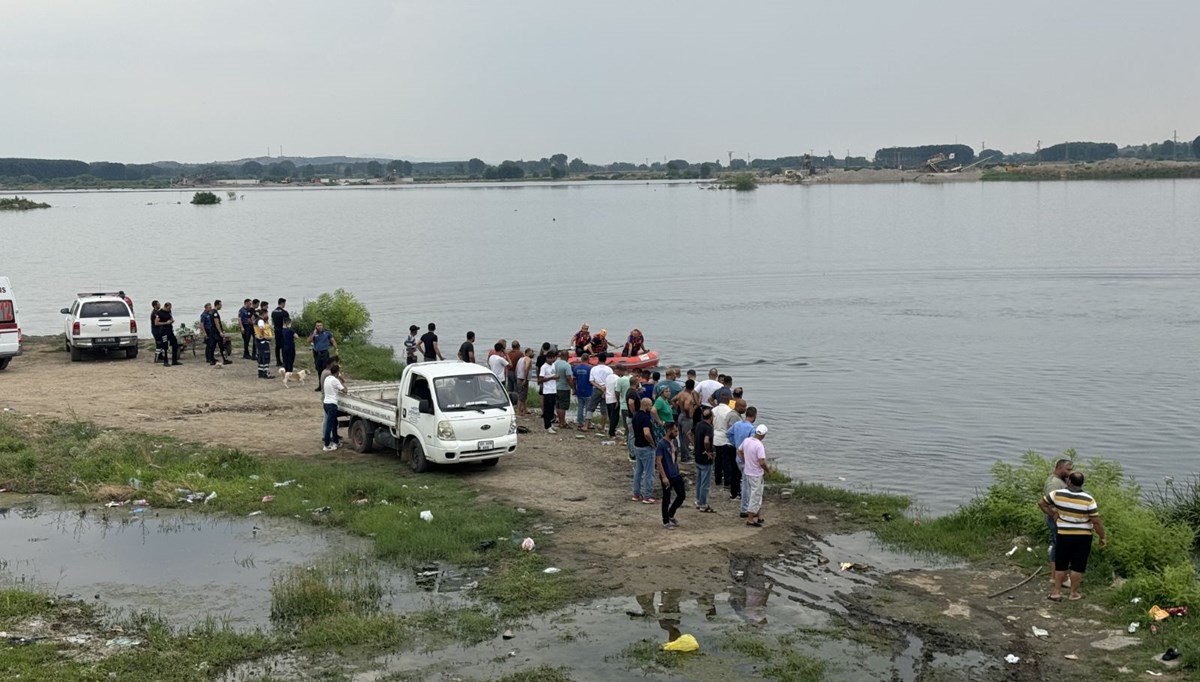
100 321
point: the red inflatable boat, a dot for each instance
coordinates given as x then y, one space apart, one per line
647 359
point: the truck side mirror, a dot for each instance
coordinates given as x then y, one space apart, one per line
65 311
425 407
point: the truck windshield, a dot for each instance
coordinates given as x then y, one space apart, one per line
470 392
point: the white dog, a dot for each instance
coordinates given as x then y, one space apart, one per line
288 376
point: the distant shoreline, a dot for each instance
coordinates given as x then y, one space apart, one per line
1109 169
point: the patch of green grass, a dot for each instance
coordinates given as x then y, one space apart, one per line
373 632
784 664
369 362
522 588
648 652
542 673
343 585
862 506
15 604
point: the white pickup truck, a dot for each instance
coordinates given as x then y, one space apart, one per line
440 412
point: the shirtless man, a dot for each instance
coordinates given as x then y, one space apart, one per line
685 402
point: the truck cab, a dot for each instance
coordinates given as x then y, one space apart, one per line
439 412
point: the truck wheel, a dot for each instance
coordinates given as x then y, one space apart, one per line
131 352
415 455
76 354
362 436
490 462
4 363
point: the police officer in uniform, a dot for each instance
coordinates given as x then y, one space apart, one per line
166 330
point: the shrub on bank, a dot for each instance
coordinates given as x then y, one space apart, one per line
340 312
368 362
1152 551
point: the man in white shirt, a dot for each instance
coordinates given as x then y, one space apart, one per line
332 387
707 387
548 383
612 400
723 418
598 378
498 362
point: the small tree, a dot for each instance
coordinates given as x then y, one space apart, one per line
205 199
340 312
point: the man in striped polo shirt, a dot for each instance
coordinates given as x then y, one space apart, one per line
1075 516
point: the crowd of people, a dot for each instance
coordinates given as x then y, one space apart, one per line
260 328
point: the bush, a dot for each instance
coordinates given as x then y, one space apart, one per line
742 182
1179 503
340 312
205 199
368 362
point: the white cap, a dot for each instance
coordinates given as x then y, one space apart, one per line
760 430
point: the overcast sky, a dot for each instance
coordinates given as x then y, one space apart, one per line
149 80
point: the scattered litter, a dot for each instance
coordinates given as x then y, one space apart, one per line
552 570
1011 551
77 639
1170 654
1133 627
608 442
1028 549
210 497
738 574
470 586
321 511
1177 610
1038 632
253 477
580 436
427 516
841 478
138 510
1071 657
268 498
1153 674
1012 659
383 502
858 568
285 483
527 544
123 641
682 644
114 503
520 510
507 634
1135 600
135 484
810 517
141 503
17 640
1158 613
256 513
361 501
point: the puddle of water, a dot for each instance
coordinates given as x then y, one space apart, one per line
795 595
183 565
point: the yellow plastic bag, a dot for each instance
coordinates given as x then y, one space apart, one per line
1158 614
684 643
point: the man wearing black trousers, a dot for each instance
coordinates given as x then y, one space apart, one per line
166 329
277 318
246 318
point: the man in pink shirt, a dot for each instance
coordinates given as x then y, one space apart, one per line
753 456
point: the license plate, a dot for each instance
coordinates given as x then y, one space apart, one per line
485 445
106 339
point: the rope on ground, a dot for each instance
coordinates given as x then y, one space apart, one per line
1010 589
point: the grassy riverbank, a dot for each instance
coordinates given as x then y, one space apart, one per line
316 610
1110 169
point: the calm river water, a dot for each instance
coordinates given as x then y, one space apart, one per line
902 337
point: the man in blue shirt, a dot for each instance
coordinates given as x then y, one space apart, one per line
321 340
667 464
583 388
738 433
246 318
210 334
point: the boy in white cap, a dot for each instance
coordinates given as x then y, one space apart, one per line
754 458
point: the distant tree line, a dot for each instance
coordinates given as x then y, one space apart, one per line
14 171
